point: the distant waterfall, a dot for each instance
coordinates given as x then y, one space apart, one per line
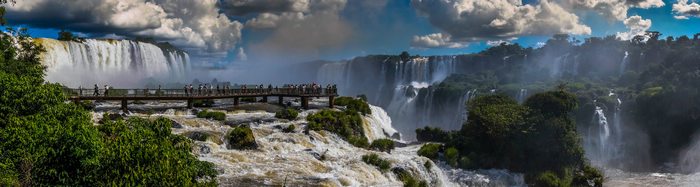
623 64
403 88
603 128
120 63
604 145
521 96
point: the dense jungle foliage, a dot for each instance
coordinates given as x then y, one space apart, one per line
652 81
45 141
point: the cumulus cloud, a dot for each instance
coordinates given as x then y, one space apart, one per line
269 14
683 9
614 9
197 25
297 29
435 40
474 20
637 27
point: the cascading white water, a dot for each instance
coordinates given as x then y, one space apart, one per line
463 113
378 125
299 159
521 95
576 65
623 64
120 63
408 78
603 130
558 68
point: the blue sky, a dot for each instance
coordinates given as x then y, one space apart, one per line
387 30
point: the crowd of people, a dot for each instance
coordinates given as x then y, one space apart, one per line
211 90
208 89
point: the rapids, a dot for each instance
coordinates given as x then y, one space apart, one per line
294 158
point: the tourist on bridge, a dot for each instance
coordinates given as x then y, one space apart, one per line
146 91
199 90
106 90
158 91
218 91
186 93
97 91
80 93
191 89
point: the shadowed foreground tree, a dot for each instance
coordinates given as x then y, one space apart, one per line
47 142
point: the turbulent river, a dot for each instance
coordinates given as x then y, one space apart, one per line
294 158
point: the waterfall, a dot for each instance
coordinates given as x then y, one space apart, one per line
558 68
605 143
603 129
379 125
120 63
463 113
404 88
576 65
521 96
623 64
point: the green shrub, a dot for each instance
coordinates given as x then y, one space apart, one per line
219 116
587 176
452 156
408 179
375 160
203 103
385 145
465 162
357 141
241 138
196 135
430 134
346 124
548 179
353 104
289 129
430 150
289 114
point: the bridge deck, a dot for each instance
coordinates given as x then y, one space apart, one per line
125 95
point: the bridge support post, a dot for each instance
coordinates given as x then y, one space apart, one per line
124 106
264 99
189 103
236 101
331 101
280 100
305 102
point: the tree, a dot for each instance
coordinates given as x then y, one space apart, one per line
405 56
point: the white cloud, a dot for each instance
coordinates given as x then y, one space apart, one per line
637 26
435 40
194 25
473 20
614 9
683 9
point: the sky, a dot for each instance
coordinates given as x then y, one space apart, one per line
221 33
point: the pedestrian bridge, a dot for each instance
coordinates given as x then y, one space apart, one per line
125 95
